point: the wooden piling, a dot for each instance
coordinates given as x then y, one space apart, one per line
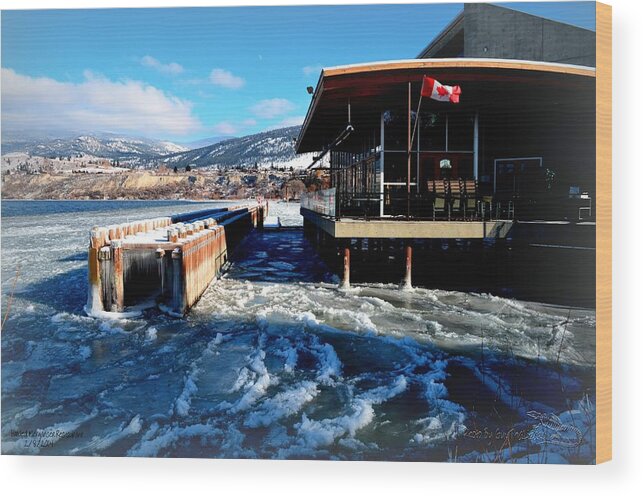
198 254
160 261
94 300
177 282
118 280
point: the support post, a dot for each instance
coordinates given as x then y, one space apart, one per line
177 282
408 266
94 300
160 261
408 157
346 278
475 145
118 282
381 165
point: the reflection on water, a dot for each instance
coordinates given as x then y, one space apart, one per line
276 362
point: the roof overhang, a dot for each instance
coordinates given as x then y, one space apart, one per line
486 83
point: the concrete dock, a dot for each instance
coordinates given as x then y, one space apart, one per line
173 259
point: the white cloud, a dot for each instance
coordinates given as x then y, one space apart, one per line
95 104
234 128
221 77
287 122
273 107
312 69
295 120
226 128
171 68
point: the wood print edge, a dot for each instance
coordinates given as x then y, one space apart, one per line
603 232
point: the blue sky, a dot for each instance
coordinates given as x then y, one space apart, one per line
185 74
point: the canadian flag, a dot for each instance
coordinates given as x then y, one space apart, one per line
441 92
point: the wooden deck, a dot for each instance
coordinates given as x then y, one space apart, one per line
407 229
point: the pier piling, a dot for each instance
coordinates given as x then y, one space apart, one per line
118 284
346 278
408 266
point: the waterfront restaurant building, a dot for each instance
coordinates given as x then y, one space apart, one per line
520 144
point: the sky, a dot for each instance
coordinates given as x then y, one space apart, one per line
184 74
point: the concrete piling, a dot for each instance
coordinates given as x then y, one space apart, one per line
408 266
346 278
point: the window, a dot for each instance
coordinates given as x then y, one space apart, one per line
396 130
396 165
432 131
460 132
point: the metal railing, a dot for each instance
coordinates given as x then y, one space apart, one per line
322 202
403 206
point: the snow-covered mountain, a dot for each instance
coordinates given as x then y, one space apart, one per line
270 148
192 145
275 147
97 145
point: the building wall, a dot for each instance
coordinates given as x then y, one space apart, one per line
497 32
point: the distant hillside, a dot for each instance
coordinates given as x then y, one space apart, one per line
192 145
142 185
275 147
270 148
100 145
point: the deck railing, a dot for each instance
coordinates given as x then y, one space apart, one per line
323 201
415 206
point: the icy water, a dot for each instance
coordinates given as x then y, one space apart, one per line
276 362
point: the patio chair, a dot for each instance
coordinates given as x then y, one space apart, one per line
470 197
440 193
456 196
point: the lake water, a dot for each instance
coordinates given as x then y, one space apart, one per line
276 362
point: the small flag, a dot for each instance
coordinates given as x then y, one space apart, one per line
441 92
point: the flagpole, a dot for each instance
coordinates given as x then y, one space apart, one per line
417 118
411 137
408 161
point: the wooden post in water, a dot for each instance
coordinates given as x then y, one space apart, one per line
94 300
118 282
408 264
177 281
160 261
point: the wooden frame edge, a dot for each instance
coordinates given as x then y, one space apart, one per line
603 232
